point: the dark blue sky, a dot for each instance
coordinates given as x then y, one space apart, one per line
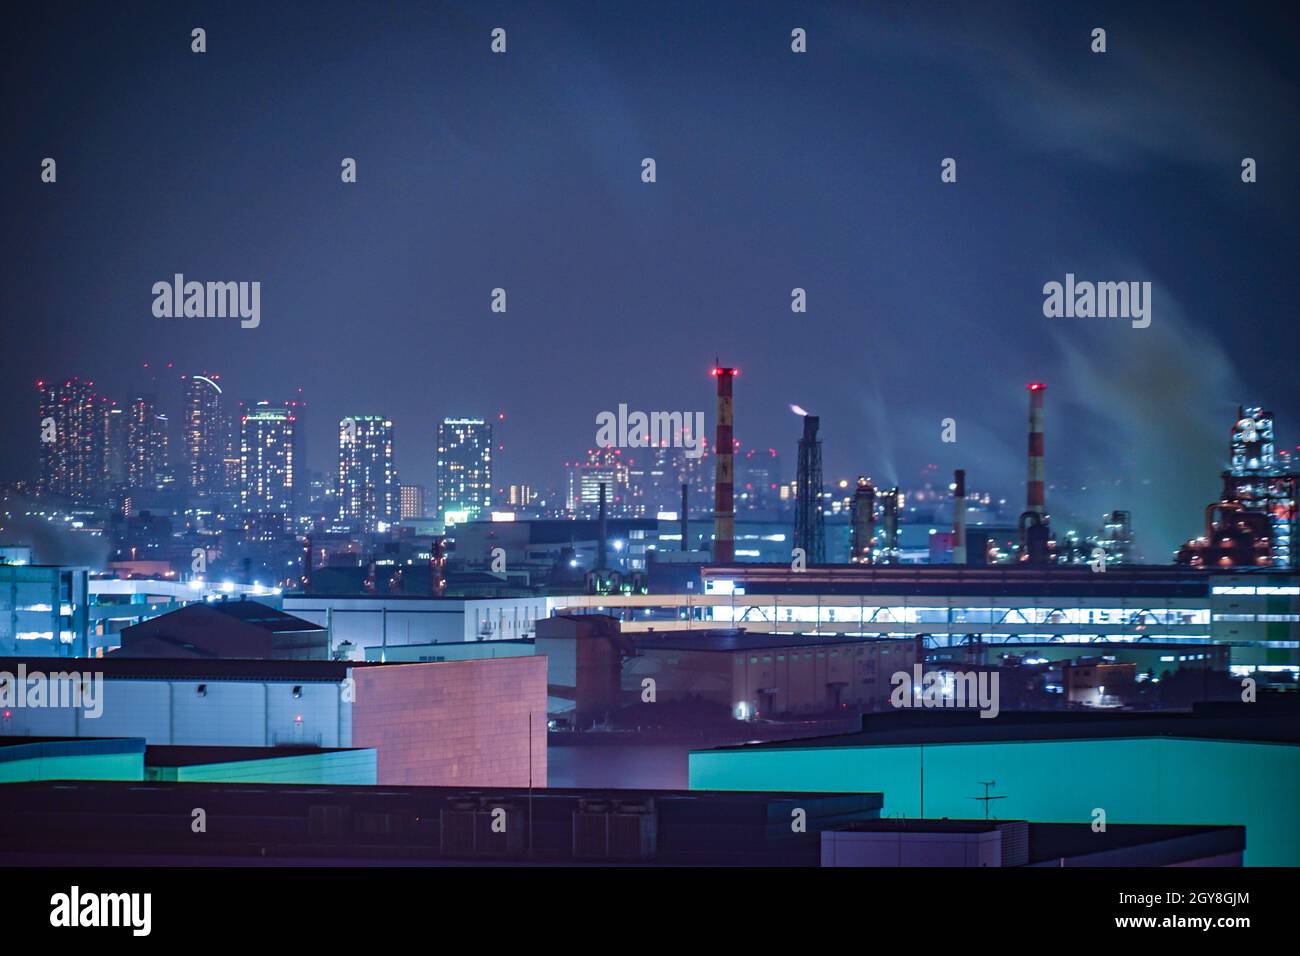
775 170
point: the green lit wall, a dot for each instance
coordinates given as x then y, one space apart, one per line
1135 780
337 767
115 766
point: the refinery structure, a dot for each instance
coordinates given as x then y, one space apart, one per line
1230 601
1253 524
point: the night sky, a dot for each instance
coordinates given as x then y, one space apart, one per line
775 170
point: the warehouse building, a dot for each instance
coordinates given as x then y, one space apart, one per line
359 623
997 843
476 722
1220 764
1256 613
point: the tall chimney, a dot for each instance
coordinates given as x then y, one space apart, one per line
1035 495
959 516
685 520
724 516
602 533
809 519
863 517
1034 534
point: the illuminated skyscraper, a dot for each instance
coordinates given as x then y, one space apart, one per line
653 482
146 444
412 501
367 486
204 434
602 466
268 458
73 419
464 469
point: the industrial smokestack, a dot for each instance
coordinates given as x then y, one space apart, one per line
685 520
1035 492
724 516
809 519
602 534
863 511
1033 523
889 524
959 516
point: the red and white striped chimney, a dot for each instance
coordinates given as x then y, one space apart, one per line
724 517
1035 494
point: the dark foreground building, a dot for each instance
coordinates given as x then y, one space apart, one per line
122 823
113 823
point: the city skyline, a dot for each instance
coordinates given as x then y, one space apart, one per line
924 298
776 435
157 459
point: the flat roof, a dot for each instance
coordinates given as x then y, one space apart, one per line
311 792
181 668
1066 841
729 641
117 667
950 725
175 755
1056 841
13 747
966 580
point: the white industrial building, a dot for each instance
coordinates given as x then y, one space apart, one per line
393 621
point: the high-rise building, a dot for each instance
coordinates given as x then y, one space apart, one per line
72 427
268 458
115 449
654 481
412 501
464 469
758 479
602 466
204 434
146 444
298 410
368 490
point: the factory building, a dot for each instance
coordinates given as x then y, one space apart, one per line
997 843
363 625
455 723
595 670
348 825
1235 765
118 603
43 609
545 547
26 759
948 606
335 825
760 676
248 630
